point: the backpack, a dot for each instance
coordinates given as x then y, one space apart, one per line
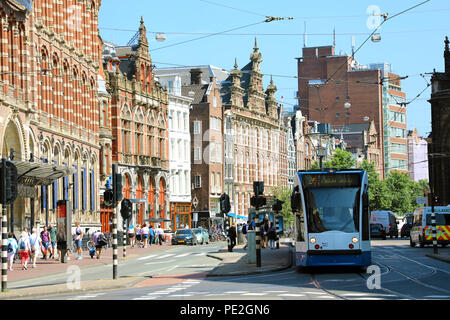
244 229
101 240
22 245
10 247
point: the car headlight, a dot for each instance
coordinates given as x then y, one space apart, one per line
355 240
312 240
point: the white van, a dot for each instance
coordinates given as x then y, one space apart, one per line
421 231
387 219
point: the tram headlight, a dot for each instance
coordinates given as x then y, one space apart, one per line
355 240
312 240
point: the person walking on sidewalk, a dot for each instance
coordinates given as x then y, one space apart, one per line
24 248
12 247
78 240
45 237
160 235
61 243
138 236
272 236
232 236
244 232
52 231
151 234
131 236
36 245
144 234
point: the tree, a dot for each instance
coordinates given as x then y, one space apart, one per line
284 194
341 159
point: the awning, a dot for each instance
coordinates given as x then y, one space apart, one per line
40 174
233 215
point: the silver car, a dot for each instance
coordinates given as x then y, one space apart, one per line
202 235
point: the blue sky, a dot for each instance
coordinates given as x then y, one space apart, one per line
412 42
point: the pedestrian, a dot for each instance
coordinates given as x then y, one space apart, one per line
244 232
52 231
160 235
232 236
151 234
252 224
45 237
131 235
138 236
100 241
12 247
61 243
144 234
79 240
24 248
265 230
272 235
36 245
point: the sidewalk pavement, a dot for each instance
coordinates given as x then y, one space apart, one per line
236 263
53 266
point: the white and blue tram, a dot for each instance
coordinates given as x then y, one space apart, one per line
332 218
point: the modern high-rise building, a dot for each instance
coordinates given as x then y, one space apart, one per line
336 89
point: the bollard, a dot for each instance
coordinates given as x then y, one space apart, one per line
124 238
277 228
258 241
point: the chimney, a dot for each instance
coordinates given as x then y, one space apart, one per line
196 76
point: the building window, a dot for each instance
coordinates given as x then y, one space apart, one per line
197 181
197 154
197 127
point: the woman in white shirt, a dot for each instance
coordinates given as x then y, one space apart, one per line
144 234
35 243
131 236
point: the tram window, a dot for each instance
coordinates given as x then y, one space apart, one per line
332 209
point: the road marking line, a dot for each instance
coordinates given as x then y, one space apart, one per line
150 263
236 292
291 295
201 254
276 291
182 255
147 257
164 256
254 294
181 295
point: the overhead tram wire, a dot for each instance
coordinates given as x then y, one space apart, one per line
386 18
268 19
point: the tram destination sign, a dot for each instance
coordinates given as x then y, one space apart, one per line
336 180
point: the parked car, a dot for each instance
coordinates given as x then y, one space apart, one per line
377 230
184 236
202 235
406 229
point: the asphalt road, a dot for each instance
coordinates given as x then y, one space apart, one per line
405 273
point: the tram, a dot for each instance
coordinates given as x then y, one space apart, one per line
331 218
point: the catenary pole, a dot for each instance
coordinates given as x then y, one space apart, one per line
258 239
115 261
4 230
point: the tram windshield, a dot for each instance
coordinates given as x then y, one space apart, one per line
332 209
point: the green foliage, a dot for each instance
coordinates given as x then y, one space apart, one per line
284 194
341 159
397 192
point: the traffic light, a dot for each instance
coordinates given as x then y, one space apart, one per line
117 186
258 188
126 209
108 197
278 205
258 202
9 182
225 205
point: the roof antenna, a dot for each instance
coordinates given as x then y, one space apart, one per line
334 37
305 37
353 47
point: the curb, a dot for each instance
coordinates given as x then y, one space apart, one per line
437 257
61 291
244 273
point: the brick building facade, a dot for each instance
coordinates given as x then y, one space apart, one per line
139 126
260 146
48 83
337 90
